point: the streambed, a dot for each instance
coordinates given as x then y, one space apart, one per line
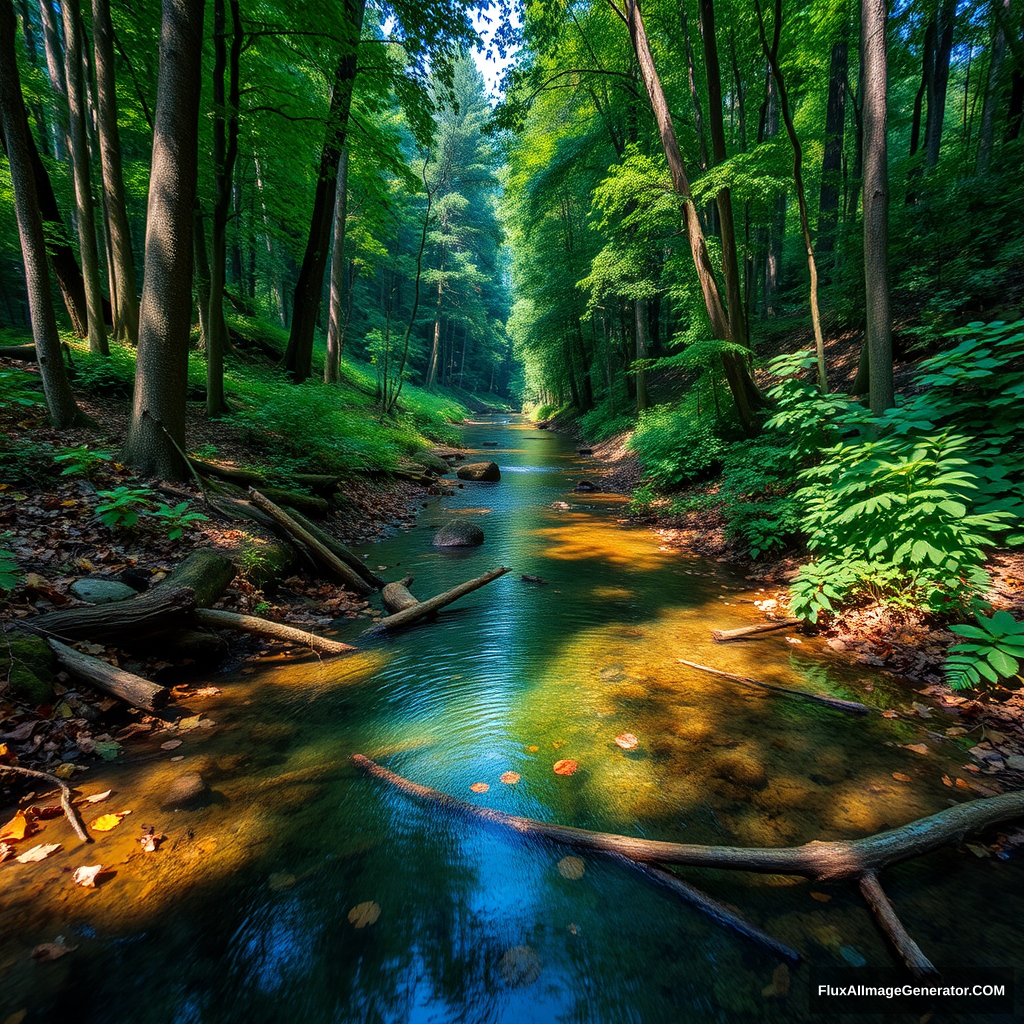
243 914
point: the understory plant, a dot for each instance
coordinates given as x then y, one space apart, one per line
993 653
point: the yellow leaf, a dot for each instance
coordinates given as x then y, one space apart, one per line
363 914
900 777
65 771
17 828
106 822
821 897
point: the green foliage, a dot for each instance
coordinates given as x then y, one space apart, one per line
994 652
604 421
10 576
19 390
122 507
177 519
81 460
21 459
675 446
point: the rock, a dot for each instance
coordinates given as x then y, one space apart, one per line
101 591
743 769
28 667
458 535
586 486
186 791
485 471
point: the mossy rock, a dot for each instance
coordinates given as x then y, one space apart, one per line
30 668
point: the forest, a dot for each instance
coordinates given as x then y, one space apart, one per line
707 315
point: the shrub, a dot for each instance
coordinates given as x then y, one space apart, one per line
676 447
995 653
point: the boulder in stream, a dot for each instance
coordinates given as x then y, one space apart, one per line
487 472
188 790
459 535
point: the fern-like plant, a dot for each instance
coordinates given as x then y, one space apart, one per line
993 653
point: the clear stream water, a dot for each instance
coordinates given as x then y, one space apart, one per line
243 914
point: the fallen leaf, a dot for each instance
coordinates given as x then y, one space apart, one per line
7 756
946 780
86 876
106 822
956 730
565 767
978 851
5 852
571 867
510 778
573 930
17 828
46 813
779 988
107 749
917 748
189 723
37 853
207 691
48 951
900 777
98 798
65 771
627 741
180 757
150 840
557 743
922 709
520 966
962 785
533 750
170 745
207 723
363 914
890 714
479 787
280 880
821 897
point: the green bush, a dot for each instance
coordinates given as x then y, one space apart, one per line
995 653
604 421
19 390
675 446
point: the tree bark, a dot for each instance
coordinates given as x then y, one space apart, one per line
878 337
156 433
641 310
986 133
74 57
939 81
298 359
60 401
126 311
832 160
336 322
126 686
54 51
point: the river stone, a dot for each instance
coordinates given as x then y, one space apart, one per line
459 535
486 471
744 769
586 487
101 591
186 791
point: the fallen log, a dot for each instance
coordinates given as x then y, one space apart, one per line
396 596
65 797
248 477
857 860
422 609
298 501
272 630
205 572
22 353
126 686
815 698
724 636
324 556
354 562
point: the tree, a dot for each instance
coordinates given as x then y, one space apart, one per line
878 336
60 402
156 432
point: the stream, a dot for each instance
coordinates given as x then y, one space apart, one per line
243 914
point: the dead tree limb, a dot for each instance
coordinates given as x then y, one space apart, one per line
874 895
354 562
724 636
815 698
65 797
126 686
397 597
324 556
422 609
272 630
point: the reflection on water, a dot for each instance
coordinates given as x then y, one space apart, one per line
243 915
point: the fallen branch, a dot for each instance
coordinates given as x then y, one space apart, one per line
422 609
22 353
815 698
324 556
126 686
397 597
724 636
354 562
65 797
272 630
843 860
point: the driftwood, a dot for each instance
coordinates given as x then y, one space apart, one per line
324 556
815 698
65 797
527 578
354 562
834 861
396 596
422 609
724 636
272 630
126 686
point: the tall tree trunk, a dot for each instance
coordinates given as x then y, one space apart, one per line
73 60
60 402
225 152
832 161
716 124
939 82
126 308
744 390
54 50
1015 113
298 359
641 311
335 321
876 205
33 56
201 276
986 133
156 433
